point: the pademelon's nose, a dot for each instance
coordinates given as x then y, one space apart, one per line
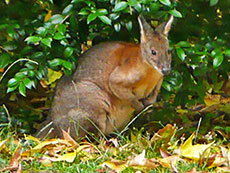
166 70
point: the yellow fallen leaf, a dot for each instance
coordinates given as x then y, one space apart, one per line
115 165
46 162
32 138
3 147
68 157
46 143
193 152
52 141
167 162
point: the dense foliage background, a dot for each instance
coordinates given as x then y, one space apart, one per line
42 39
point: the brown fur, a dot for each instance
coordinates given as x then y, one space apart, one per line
112 81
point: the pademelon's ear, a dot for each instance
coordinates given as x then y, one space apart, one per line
145 28
165 27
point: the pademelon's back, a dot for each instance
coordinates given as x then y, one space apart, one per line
97 63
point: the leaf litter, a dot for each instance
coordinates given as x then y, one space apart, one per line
116 155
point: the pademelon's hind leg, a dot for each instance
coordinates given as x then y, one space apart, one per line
79 123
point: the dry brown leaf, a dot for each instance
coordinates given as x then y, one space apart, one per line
226 154
223 169
164 135
140 162
14 162
67 137
164 153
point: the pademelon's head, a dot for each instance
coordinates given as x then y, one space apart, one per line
154 45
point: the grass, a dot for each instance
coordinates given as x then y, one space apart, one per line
130 145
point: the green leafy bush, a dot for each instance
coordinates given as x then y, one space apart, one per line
41 35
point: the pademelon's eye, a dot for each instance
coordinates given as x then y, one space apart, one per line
169 51
154 52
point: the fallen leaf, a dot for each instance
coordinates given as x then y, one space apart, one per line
32 138
163 136
3 147
115 165
46 162
68 157
226 154
67 137
223 169
164 154
140 162
193 152
14 162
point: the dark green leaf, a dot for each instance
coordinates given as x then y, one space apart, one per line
68 51
67 10
19 75
105 20
166 86
91 17
58 36
67 65
183 44
55 62
175 13
120 6
41 31
117 27
213 2
4 26
22 89
37 55
4 60
218 60
129 25
132 3
83 12
102 12
46 41
154 6
55 19
10 89
31 73
114 16
12 82
166 2
33 39
181 54
28 83
138 7
227 52
62 28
